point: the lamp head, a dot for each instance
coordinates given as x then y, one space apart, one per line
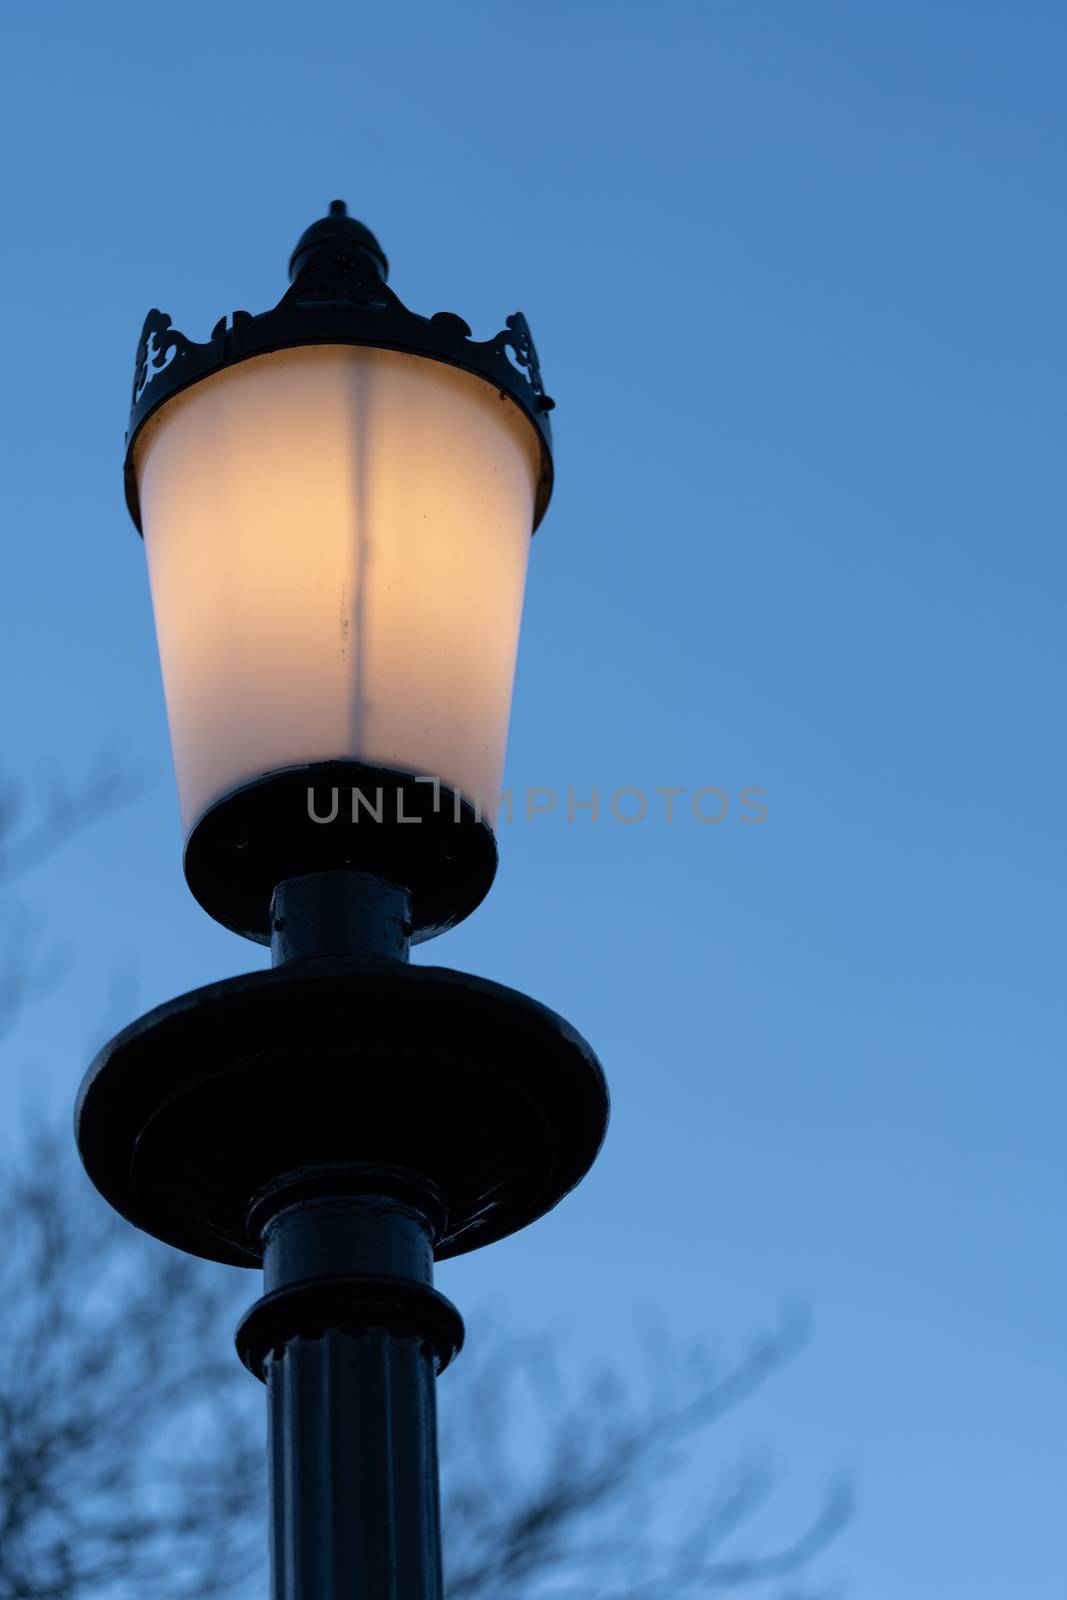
337 497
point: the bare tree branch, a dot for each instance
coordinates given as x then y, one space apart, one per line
131 1462
131 1442
588 1519
33 827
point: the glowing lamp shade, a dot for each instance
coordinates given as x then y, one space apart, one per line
337 539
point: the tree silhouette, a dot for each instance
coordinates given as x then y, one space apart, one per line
132 1460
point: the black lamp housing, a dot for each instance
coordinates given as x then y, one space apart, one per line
268 829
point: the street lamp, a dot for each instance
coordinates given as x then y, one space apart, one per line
337 498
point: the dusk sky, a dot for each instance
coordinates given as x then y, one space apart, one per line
796 275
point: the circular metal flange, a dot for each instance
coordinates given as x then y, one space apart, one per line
333 815
193 1110
356 1304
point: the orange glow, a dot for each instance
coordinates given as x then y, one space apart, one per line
337 541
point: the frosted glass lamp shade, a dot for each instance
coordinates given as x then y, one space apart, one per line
337 539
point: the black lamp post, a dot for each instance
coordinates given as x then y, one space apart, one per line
337 498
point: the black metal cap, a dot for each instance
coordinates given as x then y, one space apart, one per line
338 295
337 228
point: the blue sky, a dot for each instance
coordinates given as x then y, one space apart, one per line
796 277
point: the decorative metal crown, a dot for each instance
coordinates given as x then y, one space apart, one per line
338 296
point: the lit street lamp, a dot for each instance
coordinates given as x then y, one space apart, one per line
337 498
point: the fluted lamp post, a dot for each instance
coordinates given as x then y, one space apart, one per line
337 498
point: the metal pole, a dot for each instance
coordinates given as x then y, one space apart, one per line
350 1332
348 1339
224 1122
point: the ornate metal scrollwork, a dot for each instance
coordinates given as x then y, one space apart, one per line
338 296
519 339
158 345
